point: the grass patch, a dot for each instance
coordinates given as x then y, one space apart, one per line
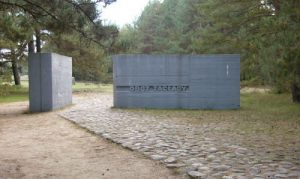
260 114
13 98
91 87
82 86
14 94
20 93
274 107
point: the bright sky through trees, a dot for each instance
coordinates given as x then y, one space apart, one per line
123 12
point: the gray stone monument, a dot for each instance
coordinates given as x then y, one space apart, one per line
177 81
50 81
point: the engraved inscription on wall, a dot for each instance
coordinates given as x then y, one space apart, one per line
155 88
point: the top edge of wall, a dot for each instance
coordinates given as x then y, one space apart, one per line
176 55
48 53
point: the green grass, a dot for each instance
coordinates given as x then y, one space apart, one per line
91 87
13 98
16 94
261 114
273 107
84 87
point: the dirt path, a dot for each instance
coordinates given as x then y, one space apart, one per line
48 146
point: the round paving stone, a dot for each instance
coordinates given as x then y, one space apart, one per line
220 168
195 174
175 165
158 157
170 160
197 165
212 150
211 157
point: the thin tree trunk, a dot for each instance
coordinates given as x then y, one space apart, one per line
38 41
276 4
15 69
296 92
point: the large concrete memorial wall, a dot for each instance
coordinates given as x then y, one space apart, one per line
177 81
50 81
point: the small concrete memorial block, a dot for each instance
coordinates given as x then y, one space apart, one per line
50 81
177 81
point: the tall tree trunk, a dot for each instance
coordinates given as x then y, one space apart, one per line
15 69
31 46
296 92
276 4
38 41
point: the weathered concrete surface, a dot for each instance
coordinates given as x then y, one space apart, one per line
175 81
50 81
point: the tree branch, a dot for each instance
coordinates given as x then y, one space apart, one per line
36 10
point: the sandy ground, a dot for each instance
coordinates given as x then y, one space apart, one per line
48 146
256 90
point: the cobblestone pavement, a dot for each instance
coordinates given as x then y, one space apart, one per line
193 149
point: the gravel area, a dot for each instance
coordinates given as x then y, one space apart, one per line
197 150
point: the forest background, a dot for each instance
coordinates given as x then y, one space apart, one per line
264 32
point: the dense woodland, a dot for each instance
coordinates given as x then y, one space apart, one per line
264 32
